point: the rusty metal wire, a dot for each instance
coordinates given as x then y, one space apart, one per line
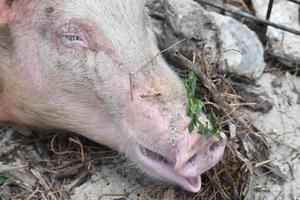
295 1
269 11
266 22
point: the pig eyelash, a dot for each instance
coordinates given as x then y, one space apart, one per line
72 40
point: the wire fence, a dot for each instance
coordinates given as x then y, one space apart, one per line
264 22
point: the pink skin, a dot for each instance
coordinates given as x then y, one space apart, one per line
70 71
181 156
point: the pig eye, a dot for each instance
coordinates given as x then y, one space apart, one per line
72 40
73 36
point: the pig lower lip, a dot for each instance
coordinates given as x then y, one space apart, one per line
162 166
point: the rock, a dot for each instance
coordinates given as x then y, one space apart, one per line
242 52
281 127
284 117
217 38
283 44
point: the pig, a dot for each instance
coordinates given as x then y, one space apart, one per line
93 67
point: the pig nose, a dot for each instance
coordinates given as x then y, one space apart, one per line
198 153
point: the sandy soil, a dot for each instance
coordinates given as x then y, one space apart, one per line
281 127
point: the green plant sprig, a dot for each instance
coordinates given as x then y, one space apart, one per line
6 181
195 107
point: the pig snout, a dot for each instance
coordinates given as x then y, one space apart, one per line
164 146
191 160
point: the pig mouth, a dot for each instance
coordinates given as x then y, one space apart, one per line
165 168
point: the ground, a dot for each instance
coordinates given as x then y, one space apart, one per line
38 165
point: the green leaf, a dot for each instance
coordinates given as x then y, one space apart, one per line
6 181
213 120
203 129
195 108
191 84
2 180
188 111
191 127
200 103
198 110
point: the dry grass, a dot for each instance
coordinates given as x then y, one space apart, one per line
70 161
233 178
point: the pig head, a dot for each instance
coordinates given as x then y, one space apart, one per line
89 66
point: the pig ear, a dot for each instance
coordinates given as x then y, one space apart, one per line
3 12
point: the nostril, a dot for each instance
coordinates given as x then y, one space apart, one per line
192 159
215 146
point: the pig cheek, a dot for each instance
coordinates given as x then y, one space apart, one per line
32 78
27 77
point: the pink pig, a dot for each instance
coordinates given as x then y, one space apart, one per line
66 65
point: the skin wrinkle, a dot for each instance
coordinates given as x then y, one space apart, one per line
98 76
